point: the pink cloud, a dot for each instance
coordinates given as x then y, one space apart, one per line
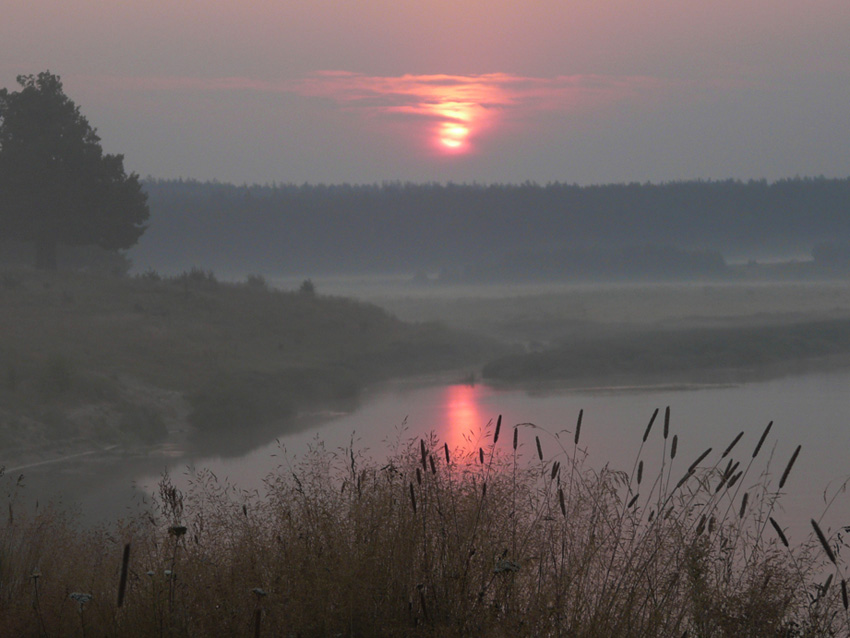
450 110
460 106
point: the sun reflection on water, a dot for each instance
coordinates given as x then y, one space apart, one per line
464 420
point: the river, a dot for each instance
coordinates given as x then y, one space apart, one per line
812 410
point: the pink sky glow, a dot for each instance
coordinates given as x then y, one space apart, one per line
486 91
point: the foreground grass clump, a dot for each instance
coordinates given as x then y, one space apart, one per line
518 536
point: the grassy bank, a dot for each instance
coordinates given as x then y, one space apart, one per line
674 354
107 359
517 536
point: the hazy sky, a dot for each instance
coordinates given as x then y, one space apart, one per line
585 91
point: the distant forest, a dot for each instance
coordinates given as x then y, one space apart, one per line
497 232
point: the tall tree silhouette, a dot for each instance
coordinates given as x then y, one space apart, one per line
56 184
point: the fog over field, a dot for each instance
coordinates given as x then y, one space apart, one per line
425 319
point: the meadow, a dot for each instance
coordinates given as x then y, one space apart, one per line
513 535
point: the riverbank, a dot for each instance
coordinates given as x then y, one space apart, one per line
89 362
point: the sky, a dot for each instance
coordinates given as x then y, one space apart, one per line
333 91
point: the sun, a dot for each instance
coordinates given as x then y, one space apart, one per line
453 136
454 125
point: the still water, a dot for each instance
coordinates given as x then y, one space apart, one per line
812 410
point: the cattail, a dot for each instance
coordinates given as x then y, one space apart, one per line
699 460
122 583
649 426
744 505
412 498
684 479
539 449
640 472
788 467
578 425
446 447
731 445
481 455
555 467
711 524
632 501
727 474
424 453
844 593
418 477
735 478
498 427
516 436
673 446
666 422
822 539
484 489
433 465
651 516
761 440
561 501
779 532
701 525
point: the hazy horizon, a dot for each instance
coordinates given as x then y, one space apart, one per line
332 92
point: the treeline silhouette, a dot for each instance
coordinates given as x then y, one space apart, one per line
468 230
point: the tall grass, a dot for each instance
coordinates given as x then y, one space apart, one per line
518 535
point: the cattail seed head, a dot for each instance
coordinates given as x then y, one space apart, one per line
539 449
516 436
578 425
743 505
673 446
761 440
735 478
731 445
498 428
788 467
699 460
640 472
561 501
649 426
829 553
666 422
779 532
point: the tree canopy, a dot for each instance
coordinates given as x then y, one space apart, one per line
57 186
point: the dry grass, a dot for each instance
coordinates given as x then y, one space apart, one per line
516 537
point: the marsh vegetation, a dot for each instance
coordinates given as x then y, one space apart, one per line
513 535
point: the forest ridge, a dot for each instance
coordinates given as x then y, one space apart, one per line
405 227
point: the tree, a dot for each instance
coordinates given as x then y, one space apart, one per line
56 184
